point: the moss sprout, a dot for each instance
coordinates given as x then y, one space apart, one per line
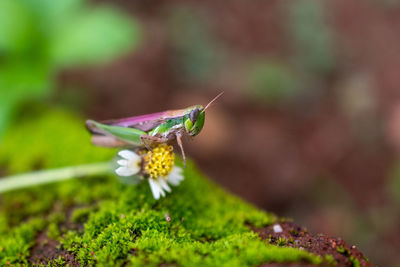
354 262
281 241
330 260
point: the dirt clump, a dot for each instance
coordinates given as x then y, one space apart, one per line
292 235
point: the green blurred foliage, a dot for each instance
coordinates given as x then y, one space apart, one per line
67 143
311 35
199 56
271 82
38 38
312 56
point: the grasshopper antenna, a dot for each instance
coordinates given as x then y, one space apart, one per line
215 98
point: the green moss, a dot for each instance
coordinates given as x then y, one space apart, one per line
347 252
15 243
124 224
343 250
53 231
80 215
281 241
213 231
57 262
354 262
330 260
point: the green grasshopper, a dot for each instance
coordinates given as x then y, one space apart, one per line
146 130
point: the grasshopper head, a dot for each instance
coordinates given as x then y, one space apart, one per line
194 120
194 117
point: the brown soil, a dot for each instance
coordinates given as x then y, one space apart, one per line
46 250
69 224
296 264
322 245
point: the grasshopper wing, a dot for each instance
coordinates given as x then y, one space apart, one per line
143 122
114 136
146 122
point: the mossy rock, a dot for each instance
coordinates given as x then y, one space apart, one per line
99 221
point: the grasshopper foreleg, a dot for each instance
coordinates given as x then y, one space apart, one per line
152 139
179 141
155 139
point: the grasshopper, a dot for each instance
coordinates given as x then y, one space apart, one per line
146 130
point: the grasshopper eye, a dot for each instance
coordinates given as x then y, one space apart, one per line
188 125
193 115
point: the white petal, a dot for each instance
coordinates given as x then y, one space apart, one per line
127 154
177 169
155 188
164 185
134 166
122 162
124 171
159 187
161 190
175 177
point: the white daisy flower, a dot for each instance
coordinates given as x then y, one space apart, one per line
157 165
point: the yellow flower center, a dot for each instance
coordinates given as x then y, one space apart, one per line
159 161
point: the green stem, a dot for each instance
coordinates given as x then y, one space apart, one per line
48 176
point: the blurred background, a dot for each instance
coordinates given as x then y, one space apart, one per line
308 127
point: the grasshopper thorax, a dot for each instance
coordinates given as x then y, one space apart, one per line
194 120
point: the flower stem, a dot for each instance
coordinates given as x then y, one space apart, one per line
49 176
